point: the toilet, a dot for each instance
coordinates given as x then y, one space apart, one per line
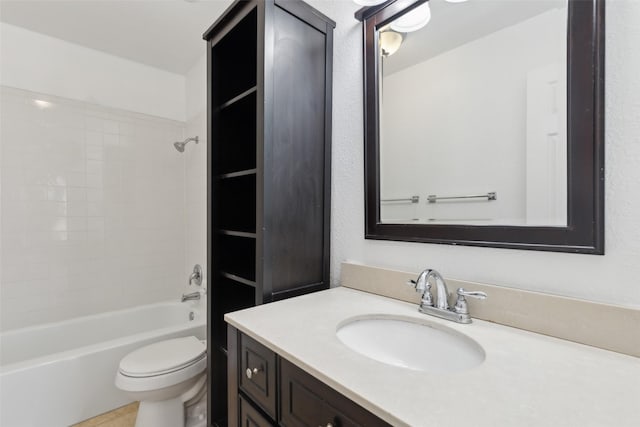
165 377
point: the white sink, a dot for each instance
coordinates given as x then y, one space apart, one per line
408 344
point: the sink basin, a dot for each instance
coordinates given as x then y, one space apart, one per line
408 344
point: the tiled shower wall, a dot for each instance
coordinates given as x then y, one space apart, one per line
92 209
196 197
196 167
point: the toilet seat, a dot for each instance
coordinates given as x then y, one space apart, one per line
162 364
163 357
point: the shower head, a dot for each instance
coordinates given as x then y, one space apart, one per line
180 144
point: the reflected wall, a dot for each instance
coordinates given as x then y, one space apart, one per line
485 113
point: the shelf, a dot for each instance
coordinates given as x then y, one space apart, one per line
234 58
236 257
238 98
238 233
238 173
239 279
235 132
229 294
235 205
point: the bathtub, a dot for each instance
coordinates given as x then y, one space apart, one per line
58 374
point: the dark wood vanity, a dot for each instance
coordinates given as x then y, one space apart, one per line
266 389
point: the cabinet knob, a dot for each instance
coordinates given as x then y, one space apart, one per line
251 372
328 425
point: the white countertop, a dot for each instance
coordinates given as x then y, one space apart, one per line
527 379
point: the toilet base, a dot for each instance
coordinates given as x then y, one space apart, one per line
196 412
165 413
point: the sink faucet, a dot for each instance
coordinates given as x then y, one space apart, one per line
458 313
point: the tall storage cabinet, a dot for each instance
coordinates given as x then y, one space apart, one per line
269 127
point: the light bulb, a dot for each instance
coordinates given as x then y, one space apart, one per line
412 21
42 104
390 42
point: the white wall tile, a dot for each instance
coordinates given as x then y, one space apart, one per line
196 191
94 138
92 211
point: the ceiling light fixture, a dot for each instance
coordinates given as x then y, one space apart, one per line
412 21
42 103
390 42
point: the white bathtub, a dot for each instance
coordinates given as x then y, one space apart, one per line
58 374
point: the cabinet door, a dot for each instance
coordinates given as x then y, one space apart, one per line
257 376
308 402
300 403
333 417
297 180
250 417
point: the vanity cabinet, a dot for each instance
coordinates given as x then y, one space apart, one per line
266 389
258 369
251 417
306 401
269 162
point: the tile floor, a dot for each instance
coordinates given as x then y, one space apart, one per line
121 417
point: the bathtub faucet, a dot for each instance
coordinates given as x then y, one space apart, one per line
191 296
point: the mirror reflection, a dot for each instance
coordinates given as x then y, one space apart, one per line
473 114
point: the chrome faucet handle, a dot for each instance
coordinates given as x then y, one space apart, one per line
473 294
461 304
196 275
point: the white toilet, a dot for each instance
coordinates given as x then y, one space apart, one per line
165 377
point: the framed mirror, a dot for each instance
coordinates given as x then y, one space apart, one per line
484 123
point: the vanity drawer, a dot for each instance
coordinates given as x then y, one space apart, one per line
251 417
306 401
257 375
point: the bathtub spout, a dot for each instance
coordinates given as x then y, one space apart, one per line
192 296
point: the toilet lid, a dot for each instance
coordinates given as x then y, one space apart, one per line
163 357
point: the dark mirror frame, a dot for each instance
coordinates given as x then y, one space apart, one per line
585 145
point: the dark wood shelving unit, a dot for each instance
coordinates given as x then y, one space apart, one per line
269 162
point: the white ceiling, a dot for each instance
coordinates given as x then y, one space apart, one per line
455 24
165 34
